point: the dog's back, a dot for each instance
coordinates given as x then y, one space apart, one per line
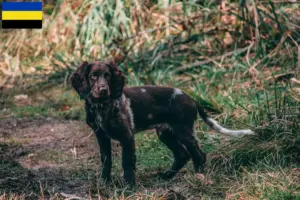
154 106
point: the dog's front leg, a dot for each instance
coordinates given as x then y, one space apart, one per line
128 159
105 153
104 143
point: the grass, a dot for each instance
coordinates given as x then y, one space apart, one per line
271 183
233 58
56 101
264 166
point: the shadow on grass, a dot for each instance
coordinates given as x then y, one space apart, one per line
47 182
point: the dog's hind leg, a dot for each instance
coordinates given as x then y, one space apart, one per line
181 156
186 136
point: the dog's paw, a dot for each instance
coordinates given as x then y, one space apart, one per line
166 175
129 178
105 179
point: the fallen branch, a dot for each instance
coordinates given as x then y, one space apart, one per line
71 196
199 63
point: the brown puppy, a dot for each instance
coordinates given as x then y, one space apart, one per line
115 112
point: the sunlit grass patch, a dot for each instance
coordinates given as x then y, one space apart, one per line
57 101
267 183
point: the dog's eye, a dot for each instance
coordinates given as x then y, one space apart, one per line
93 77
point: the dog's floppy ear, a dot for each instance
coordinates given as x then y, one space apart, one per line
118 80
78 80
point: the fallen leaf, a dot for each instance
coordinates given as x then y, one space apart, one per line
65 108
204 180
294 80
21 100
228 39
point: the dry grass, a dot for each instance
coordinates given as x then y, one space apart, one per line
240 59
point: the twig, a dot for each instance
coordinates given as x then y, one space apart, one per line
298 66
42 191
199 63
257 34
281 1
248 53
71 196
270 55
210 82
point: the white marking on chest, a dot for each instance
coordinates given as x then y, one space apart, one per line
126 101
99 121
150 116
143 90
176 92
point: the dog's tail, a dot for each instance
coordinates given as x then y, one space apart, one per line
217 127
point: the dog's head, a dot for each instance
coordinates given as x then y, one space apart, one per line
99 81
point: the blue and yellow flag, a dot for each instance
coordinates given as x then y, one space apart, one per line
18 15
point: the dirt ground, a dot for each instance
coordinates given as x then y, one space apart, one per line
47 156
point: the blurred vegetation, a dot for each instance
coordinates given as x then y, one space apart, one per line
239 59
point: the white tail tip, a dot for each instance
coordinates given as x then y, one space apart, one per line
237 133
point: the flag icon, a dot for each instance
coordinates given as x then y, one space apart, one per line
22 15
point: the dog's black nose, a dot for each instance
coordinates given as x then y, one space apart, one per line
103 91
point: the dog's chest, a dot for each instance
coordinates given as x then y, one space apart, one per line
103 116
113 116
